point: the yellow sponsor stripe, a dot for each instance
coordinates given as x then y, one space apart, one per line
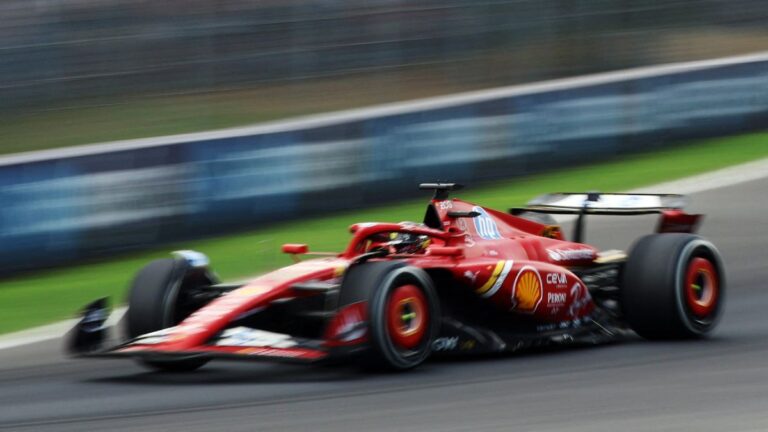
339 271
491 280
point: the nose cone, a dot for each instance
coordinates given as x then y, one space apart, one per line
258 293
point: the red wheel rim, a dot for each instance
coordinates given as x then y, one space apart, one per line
407 316
701 287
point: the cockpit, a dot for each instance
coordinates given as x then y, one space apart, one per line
405 238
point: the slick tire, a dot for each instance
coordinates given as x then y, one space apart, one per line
154 302
673 287
404 319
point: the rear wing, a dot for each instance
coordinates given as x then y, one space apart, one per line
607 204
581 204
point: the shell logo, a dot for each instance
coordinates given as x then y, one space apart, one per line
526 292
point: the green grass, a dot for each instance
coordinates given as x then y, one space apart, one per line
56 294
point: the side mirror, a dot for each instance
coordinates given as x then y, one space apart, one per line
295 248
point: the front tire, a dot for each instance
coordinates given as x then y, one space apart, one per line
160 298
673 287
404 319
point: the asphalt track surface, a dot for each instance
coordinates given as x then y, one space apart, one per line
719 384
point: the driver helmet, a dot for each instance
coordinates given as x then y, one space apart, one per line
407 243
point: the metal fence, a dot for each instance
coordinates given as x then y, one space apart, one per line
67 52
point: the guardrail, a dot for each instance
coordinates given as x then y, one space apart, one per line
64 205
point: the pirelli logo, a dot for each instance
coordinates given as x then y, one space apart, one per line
498 276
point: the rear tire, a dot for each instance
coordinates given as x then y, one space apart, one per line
157 300
673 287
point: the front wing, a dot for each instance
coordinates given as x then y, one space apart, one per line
101 334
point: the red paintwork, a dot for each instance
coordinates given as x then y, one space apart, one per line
678 221
702 305
503 258
446 251
407 336
295 248
345 328
295 353
203 324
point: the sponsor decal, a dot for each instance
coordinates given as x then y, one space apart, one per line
338 271
445 205
527 290
498 276
581 298
485 225
546 327
351 325
556 279
462 224
571 254
471 276
445 343
556 299
156 337
280 352
248 337
571 324
348 326
453 343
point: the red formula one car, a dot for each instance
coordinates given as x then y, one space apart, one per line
468 279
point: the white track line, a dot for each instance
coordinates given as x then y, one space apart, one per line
699 183
36 334
729 176
50 331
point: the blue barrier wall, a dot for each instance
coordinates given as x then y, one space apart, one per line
85 203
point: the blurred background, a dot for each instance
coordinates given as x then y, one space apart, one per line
78 72
83 71
131 128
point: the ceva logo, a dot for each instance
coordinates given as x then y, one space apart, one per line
485 225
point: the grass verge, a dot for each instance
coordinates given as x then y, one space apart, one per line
57 294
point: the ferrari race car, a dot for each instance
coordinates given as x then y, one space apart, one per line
468 279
